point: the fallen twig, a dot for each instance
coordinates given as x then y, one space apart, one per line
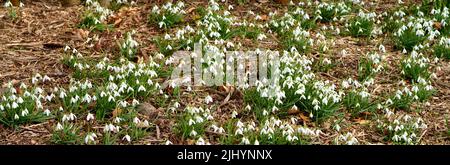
33 130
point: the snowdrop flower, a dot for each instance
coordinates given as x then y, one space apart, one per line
59 127
136 120
25 112
239 131
200 141
169 47
135 102
117 120
176 104
7 4
127 138
141 89
382 49
245 141
161 24
261 36
111 99
34 80
193 133
14 105
49 97
46 78
209 117
90 117
47 112
208 99
124 104
167 37
16 117
90 137
72 117
145 123
404 51
337 127
19 100
62 94
234 114
198 119
110 128
191 122
230 7
23 86
168 142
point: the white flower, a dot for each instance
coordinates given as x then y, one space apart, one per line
382 49
234 114
46 78
199 119
117 120
62 94
7 4
127 138
123 104
59 127
90 137
47 112
208 99
135 102
14 105
337 127
168 142
245 140
49 97
16 117
20 100
146 124
238 131
90 117
200 141
193 133
230 7
25 112
141 89
136 120
110 128
72 117
261 36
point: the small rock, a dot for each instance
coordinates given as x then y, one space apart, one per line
147 109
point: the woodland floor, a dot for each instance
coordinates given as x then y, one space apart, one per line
35 43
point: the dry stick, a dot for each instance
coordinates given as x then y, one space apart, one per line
6 75
158 133
24 44
420 138
33 130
